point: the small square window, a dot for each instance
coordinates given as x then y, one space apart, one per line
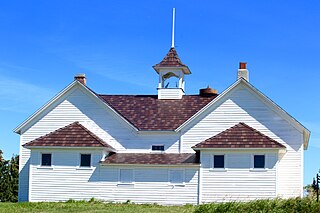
157 148
259 161
218 161
46 160
126 175
176 176
85 160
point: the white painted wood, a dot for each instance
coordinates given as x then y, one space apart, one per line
241 105
77 105
170 93
238 181
65 180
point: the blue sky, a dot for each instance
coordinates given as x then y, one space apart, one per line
43 44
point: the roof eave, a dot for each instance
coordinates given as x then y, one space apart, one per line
67 147
245 149
185 68
59 95
284 114
149 165
45 106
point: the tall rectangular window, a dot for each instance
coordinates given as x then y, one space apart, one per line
46 159
126 175
259 161
218 161
85 160
176 176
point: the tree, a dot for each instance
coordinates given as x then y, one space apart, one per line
9 175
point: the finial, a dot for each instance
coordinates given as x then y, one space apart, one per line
173 16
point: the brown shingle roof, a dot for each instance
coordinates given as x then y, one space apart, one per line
240 136
172 60
73 135
150 158
147 112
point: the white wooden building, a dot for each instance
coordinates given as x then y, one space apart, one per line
169 148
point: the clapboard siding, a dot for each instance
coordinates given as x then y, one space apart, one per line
238 181
151 186
67 181
283 176
76 105
242 105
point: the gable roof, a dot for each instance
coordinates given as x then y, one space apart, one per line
200 105
148 113
172 60
72 135
276 108
239 136
152 158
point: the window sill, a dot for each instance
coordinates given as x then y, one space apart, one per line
258 170
45 167
84 168
177 185
131 185
218 170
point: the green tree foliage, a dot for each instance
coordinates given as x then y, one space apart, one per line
9 175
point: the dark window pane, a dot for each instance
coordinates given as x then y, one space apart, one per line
218 161
85 160
46 160
259 161
157 148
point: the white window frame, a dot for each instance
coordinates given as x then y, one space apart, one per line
126 183
265 162
225 162
80 160
44 166
183 177
164 148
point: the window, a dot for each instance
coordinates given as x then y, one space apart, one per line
176 176
126 175
157 147
259 161
46 159
218 161
85 160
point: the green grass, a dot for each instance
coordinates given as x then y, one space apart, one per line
89 207
294 205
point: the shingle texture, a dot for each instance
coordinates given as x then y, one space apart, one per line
73 135
171 60
147 112
146 158
240 136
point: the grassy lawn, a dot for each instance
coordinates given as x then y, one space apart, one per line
293 205
90 207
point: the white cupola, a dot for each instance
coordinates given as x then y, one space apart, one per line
171 76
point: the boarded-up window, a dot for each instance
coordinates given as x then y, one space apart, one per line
176 176
126 175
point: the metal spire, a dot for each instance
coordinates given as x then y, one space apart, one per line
173 16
